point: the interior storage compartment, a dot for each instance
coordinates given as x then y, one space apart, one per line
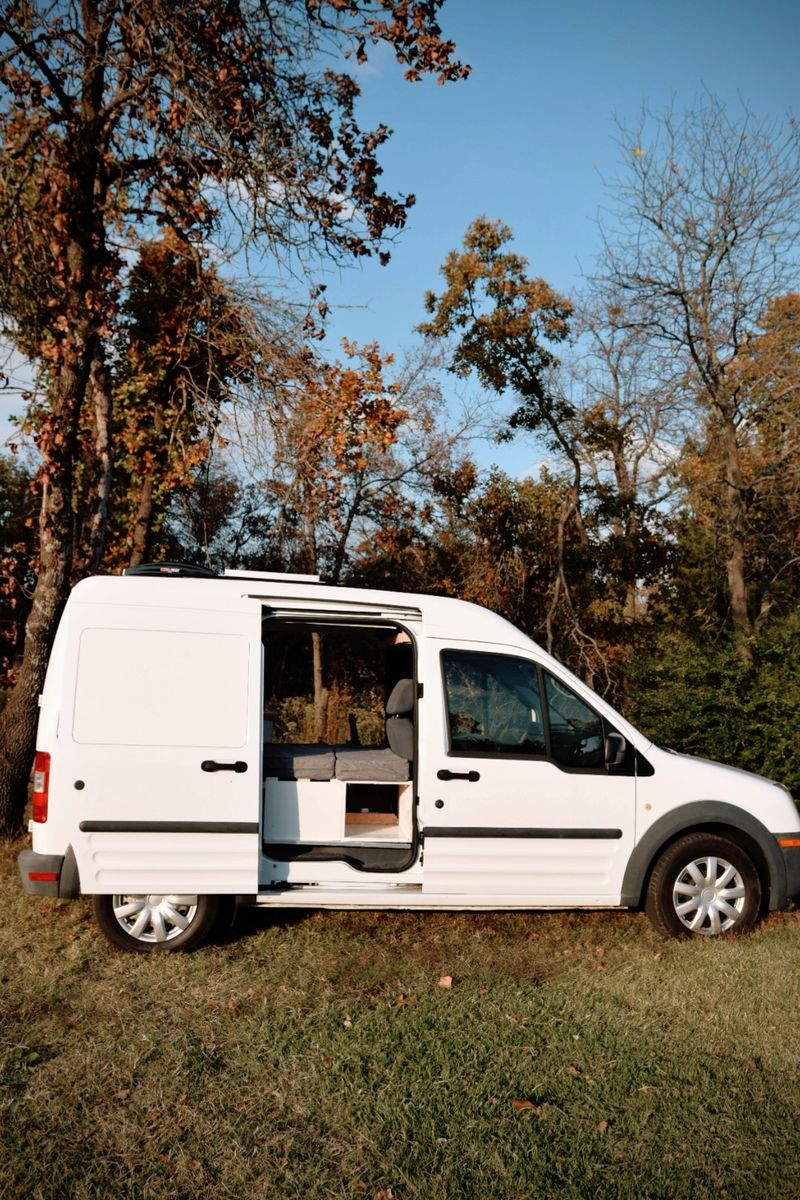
378 812
372 804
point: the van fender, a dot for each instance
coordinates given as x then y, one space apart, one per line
713 816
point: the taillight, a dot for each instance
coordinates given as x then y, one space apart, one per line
41 785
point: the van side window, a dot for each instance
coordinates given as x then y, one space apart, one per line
576 731
493 704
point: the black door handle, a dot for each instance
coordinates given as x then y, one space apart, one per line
209 764
470 776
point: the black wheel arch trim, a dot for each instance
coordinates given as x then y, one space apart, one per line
713 816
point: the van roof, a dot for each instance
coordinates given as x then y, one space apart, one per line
439 616
442 616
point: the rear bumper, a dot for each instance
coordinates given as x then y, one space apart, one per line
49 874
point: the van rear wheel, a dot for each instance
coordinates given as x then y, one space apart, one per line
149 923
704 885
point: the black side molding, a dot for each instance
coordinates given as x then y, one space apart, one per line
476 831
168 826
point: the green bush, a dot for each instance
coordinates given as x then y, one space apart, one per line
699 698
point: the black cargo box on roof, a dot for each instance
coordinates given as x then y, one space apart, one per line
173 570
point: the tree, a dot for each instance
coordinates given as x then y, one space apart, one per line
504 325
218 519
627 429
344 451
704 233
18 504
769 378
122 117
341 458
189 343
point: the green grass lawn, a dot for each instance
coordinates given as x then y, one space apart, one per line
317 1056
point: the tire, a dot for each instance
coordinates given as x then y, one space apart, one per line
704 885
147 924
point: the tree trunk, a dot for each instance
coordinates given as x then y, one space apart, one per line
735 513
20 715
320 690
142 525
73 349
100 397
57 445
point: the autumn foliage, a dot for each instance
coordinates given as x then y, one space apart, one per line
179 411
121 121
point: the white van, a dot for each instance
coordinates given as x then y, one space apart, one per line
289 743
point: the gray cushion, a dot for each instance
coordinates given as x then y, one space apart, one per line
399 728
401 698
299 761
400 736
363 764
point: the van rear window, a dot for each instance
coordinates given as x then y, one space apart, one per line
144 687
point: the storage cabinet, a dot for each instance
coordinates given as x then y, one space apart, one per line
330 812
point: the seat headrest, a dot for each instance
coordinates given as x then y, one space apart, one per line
401 698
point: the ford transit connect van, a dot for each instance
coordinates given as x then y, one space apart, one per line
290 743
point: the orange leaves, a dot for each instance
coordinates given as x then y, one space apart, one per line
344 419
501 316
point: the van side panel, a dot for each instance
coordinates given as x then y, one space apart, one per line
151 687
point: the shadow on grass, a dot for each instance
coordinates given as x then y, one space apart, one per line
238 924
429 928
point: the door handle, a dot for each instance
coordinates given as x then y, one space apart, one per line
208 764
470 776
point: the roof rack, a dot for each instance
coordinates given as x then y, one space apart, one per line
274 576
190 571
172 570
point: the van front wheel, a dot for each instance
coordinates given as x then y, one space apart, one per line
150 923
704 885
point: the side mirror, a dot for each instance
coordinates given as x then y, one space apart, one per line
615 747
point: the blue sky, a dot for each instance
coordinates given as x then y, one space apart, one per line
529 137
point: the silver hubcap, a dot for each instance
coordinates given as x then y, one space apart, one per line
709 895
154 918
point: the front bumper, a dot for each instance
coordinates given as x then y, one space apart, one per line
789 844
49 874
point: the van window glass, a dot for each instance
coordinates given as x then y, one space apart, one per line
493 704
576 731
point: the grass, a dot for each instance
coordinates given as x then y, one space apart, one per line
317 1056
